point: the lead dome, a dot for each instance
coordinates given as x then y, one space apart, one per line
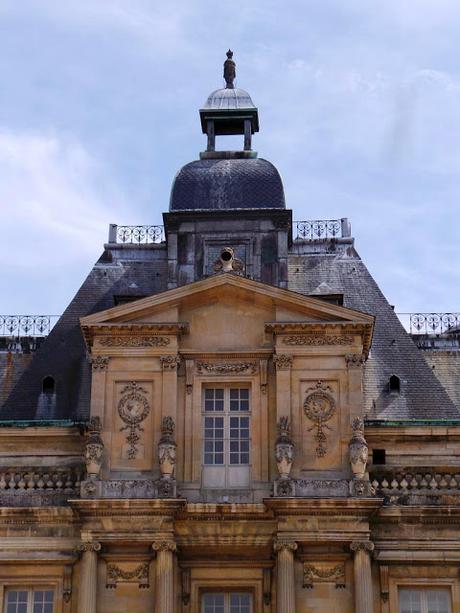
225 184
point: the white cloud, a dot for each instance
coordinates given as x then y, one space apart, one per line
54 197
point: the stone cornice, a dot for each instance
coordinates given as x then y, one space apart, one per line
412 433
138 329
225 355
325 507
322 332
110 507
421 515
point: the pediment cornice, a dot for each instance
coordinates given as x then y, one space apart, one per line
132 330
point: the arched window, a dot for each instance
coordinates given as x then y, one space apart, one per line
394 384
48 385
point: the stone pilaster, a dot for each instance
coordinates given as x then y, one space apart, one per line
87 593
364 601
164 576
285 589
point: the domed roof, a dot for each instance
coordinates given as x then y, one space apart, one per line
229 99
226 184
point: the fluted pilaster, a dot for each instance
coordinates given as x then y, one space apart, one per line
164 576
285 575
364 601
88 576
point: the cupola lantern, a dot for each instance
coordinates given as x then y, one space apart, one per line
228 111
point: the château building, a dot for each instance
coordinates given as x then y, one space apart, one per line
229 417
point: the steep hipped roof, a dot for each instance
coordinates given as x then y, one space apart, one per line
63 354
393 352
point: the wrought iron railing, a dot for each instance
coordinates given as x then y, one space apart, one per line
136 235
20 326
320 229
430 323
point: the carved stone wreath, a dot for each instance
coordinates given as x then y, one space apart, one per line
319 407
133 408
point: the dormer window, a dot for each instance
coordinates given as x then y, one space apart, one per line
394 384
48 385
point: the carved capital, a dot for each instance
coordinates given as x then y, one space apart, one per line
169 362
282 361
367 546
354 360
100 362
164 545
93 546
281 544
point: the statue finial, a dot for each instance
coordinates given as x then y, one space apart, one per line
229 70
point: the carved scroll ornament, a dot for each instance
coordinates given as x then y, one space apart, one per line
317 340
133 408
319 407
228 368
134 341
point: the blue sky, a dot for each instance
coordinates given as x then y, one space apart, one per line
359 109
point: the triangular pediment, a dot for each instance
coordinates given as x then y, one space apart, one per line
287 304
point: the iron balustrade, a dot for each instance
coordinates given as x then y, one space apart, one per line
21 326
136 235
431 323
320 229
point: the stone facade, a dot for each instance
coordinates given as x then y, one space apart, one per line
230 433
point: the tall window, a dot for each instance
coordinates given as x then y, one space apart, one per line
226 436
29 601
424 600
233 602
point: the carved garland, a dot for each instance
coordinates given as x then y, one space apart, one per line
138 575
319 407
219 368
133 408
316 339
312 574
134 341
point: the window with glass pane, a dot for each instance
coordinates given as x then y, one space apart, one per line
424 600
232 602
29 601
226 436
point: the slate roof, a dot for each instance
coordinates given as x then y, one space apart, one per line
143 272
63 354
393 352
227 184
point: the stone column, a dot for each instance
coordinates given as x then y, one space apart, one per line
88 576
285 590
364 601
164 576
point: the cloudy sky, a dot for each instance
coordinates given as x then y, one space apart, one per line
359 107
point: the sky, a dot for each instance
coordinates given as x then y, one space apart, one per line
358 104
